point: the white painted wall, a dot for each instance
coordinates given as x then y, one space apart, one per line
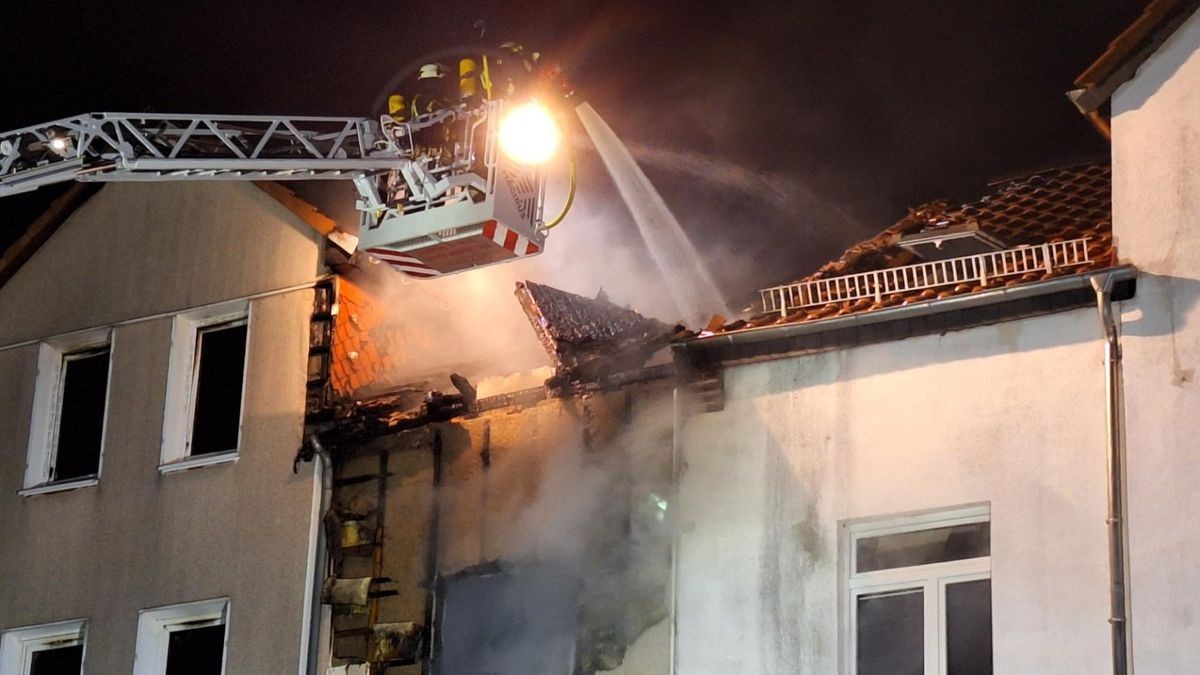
1011 414
139 538
1156 214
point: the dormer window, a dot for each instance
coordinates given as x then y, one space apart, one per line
940 243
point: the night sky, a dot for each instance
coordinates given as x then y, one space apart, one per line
832 117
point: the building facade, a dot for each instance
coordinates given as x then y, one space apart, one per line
154 355
1156 204
963 447
919 478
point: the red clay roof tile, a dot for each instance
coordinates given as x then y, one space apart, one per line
1046 207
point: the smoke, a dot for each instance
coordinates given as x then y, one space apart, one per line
582 534
687 277
471 323
773 190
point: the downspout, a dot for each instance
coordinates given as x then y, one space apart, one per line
324 476
676 425
429 665
1118 543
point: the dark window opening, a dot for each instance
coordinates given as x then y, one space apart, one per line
522 620
81 415
891 633
58 661
196 651
969 627
217 409
924 547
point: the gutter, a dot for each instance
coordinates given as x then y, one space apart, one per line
1075 282
1118 534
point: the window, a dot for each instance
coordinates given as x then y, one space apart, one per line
205 384
50 649
507 620
182 639
919 595
66 433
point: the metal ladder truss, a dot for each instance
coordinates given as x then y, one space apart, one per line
141 147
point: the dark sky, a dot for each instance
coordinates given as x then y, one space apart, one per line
849 112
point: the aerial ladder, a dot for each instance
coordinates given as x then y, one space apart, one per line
436 193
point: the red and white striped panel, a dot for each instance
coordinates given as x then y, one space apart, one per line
509 239
405 263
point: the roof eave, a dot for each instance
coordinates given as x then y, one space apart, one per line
772 341
1125 55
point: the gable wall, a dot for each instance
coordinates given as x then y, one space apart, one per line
1156 220
141 538
136 249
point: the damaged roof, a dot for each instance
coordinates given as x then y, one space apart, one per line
1048 207
587 338
570 325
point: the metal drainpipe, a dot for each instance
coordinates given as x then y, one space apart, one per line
676 425
429 665
1118 545
314 625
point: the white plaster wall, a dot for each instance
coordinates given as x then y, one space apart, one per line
1011 415
1156 213
141 539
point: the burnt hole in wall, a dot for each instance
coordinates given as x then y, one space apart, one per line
220 365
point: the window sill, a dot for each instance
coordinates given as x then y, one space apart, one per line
61 486
197 462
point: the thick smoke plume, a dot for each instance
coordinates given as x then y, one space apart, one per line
584 564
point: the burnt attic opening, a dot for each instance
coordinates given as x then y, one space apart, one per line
221 359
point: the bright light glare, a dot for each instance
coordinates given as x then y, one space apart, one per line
58 144
528 134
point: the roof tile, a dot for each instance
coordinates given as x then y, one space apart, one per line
1046 207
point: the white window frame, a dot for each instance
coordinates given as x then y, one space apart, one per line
156 625
47 406
18 645
182 375
932 579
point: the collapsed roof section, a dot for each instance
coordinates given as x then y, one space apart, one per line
590 339
594 344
